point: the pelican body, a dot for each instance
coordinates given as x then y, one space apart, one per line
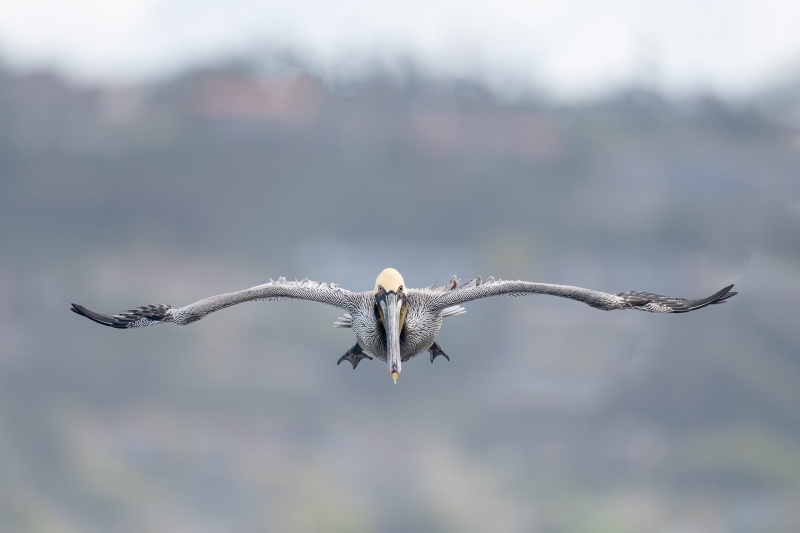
392 322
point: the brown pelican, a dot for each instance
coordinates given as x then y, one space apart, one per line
393 322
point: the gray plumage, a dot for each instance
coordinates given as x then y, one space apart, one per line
425 308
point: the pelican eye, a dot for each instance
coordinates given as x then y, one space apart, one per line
400 288
380 288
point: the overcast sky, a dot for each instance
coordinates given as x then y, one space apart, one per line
572 48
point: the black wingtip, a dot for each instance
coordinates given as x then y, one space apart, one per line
725 297
718 297
97 317
723 294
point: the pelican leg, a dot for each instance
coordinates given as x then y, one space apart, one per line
436 350
354 355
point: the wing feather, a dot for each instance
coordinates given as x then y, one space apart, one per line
148 315
454 294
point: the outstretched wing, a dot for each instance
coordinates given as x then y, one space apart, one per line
148 315
454 294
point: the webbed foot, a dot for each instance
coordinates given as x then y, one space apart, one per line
436 351
354 355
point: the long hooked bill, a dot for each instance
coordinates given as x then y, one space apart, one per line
391 306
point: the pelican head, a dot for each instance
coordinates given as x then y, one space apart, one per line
390 299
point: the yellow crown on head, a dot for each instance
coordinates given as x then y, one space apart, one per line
390 279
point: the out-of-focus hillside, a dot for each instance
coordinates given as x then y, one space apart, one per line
551 416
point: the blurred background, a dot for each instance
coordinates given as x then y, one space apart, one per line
156 151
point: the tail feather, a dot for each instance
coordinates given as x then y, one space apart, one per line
344 321
453 311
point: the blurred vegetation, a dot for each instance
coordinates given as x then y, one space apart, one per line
551 416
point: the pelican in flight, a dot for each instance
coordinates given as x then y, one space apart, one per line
393 322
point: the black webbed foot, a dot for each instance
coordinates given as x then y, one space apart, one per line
354 355
436 351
